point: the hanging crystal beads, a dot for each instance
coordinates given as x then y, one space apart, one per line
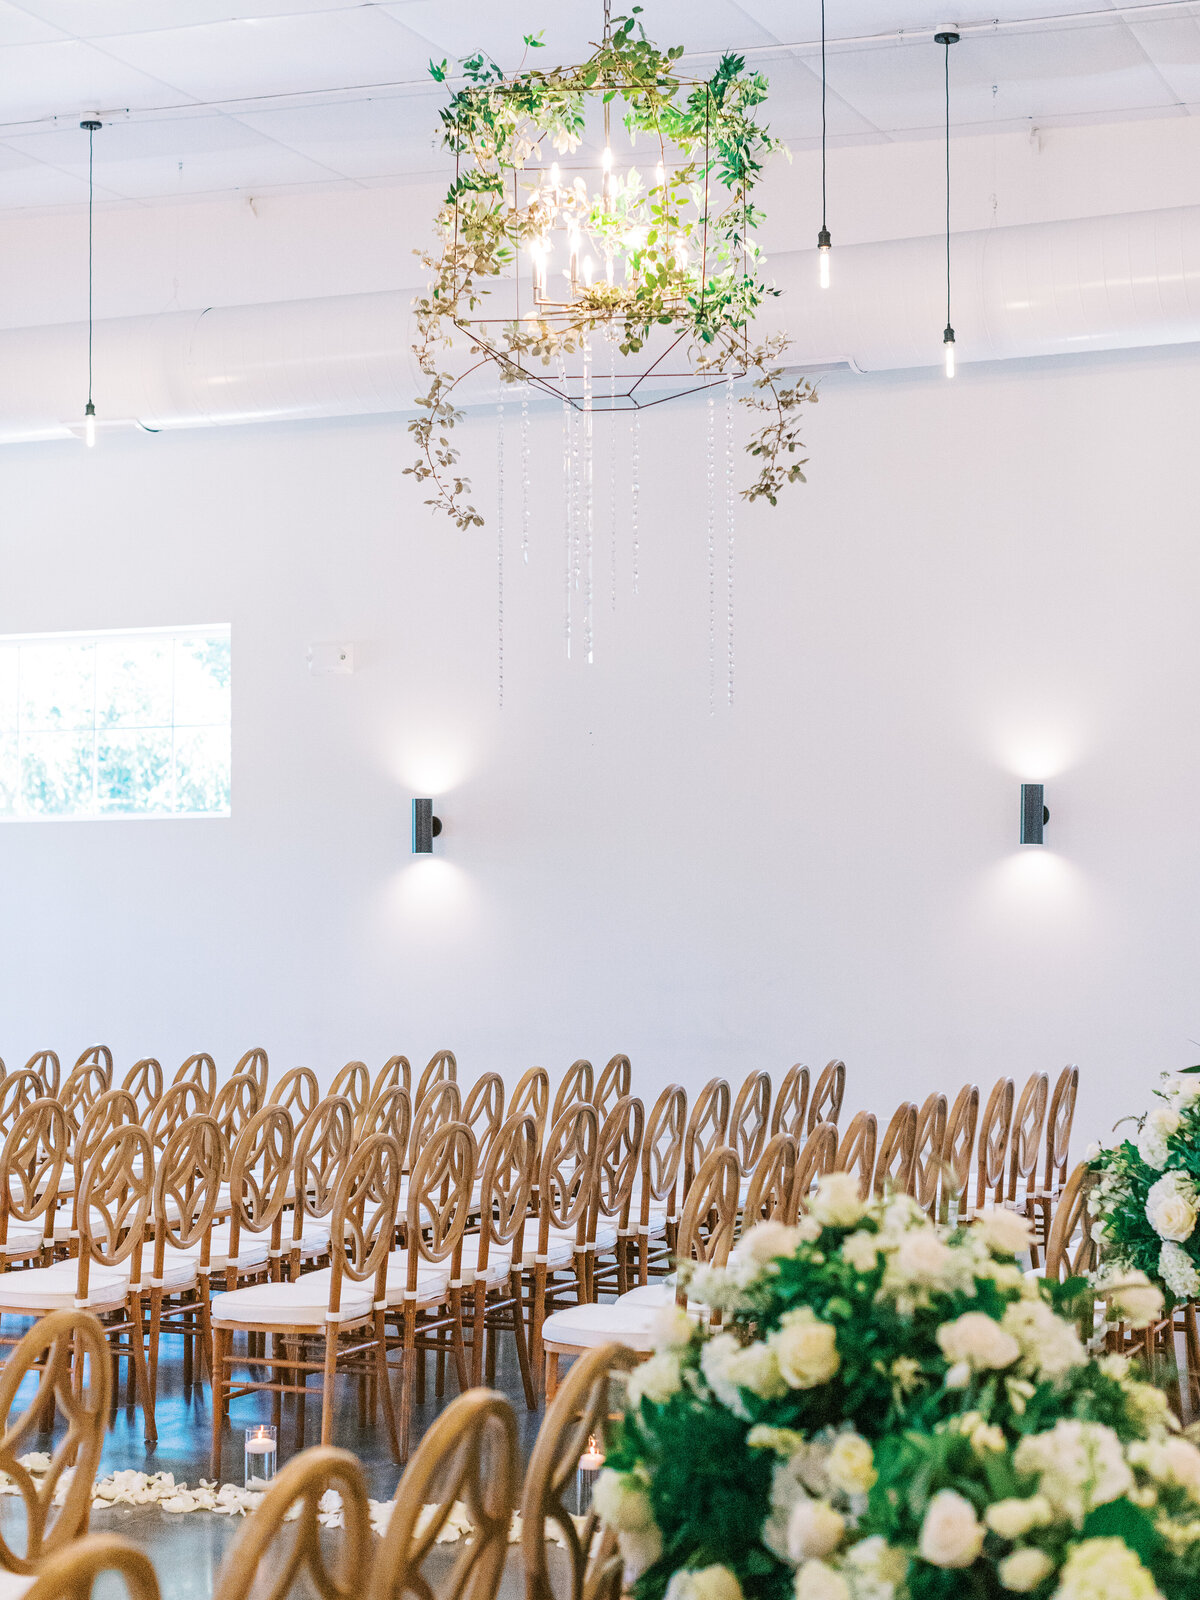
730 503
589 509
525 472
500 552
635 447
710 454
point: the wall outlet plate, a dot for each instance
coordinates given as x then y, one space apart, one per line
326 658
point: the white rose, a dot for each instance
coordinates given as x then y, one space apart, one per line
1012 1519
923 1258
817 1581
621 1502
1181 1459
1024 1570
1184 1089
951 1534
837 1202
1004 1232
1049 1344
655 1380
882 1567
1105 1569
808 1229
1080 1465
1132 1298
851 1464
756 1368
978 1340
806 1349
1171 1208
861 1250
704 1583
767 1241
672 1328
814 1529
716 1359
639 1552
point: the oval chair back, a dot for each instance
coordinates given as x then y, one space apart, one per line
828 1092
856 1152
791 1103
144 1081
818 1156
201 1070
613 1084
707 1129
750 1120
772 1196
898 1153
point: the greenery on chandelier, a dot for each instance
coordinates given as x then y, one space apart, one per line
676 248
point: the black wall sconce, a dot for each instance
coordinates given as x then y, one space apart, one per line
425 827
1035 814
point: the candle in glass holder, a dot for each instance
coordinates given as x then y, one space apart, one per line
261 1457
590 1463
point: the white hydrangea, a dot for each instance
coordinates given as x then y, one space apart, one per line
766 1242
814 1529
806 1349
1049 1344
979 1341
1182 1089
1105 1569
621 1501
1171 1460
861 1250
1171 1207
716 1359
1004 1231
1078 1464
876 1569
1152 1146
756 1367
1178 1271
704 1583
1013 1519
672 1328
817 1580
837 1202
655 1380
1024 1569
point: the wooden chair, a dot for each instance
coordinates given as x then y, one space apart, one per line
96 1055
1071 1251
32 1160
319 1154
992 1160
958 1149
818 1155
259 1180
113 1109
1025 1151
791 1103
69 1353
927 1163
655 1198
1059 1120
327 1320
825 1104
85 1083
469 1456
771 1196
279 1550
297 1092
19 1090
492 1257
441 1106
707 1129
182 1101
71 1573
566 1181
255 1063
576 1085
353 1081
532 1094
440 1068
144 1081
483 1111
394 1072
613 1084
856 1152
236 1103
617 1165
895 1163
45 1064
391 1113
750 1120
201 1070
574 1421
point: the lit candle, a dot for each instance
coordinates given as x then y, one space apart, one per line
589 268
592 1459
660 175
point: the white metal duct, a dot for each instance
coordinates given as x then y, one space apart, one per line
1097 283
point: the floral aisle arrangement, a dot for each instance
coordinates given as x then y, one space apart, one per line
1146 1197
892 1411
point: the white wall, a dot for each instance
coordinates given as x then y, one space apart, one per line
984 581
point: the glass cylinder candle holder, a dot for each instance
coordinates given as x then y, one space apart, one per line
261 1457
590 1463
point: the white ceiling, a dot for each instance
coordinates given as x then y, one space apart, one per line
209 96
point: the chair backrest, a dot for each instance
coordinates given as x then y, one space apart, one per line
750 1119
113 1204
532 1094
1025 1142
1059 1120
825 1104
260 1166
576 1416
568 1172
201 1070
255 1063
114 1109
68 1350
619 1158
468 1457
278 1551
771 1195
19 1089
363 1229
353 1081
237 1100
613 1084
96 1055
856 1152
71 1573
298 1092
958 1149
440 1068
84 1085
31 1166
144 1081
187 1186
394 1071
818 1155
898 1152
483 1111
45 1063
509 1174
994 1131
182 1100
577 1084
318 1157
791 1103
662 1148
927 1163
707 1129
440 1198
390 1113
709 1213
1070 1249
442 1104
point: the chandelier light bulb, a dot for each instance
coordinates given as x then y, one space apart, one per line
824 246
660 175
948 342
589 268
89 425
606 159
554 174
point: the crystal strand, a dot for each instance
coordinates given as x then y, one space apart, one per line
633 516
588 517
500 551
612 461
576 488
568 497
730 503
710 453
525 472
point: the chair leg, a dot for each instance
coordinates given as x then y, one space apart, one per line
219 1351
539 1314
141 1372
295 1348
155 1329
522 1343
327 1384
456 1342
385 1387
478 1332
408 1376
551 1375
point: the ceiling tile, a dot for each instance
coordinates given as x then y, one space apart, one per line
19 27
798 21
29 183
376 138
67 79
1173 45
93 19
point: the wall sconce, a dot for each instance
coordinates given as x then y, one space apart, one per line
425 827
1034 812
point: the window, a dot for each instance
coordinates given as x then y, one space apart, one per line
115 724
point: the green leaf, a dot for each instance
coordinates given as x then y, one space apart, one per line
1121 1519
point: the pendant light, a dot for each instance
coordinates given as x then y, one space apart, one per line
946 40
823 240
91 127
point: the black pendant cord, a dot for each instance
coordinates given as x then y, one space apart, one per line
946 40
824 220
91 127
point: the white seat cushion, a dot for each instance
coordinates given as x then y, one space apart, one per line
433 1279
53 1288
253 1249
581 1327
21 1241
606 1235
14 1584
560 1251
499 1261
180 1270
304 1304
653 1296
314 1240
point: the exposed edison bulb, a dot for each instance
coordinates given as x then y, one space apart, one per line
948 343
89 425
554 174
589 268
606 159
824 242
660 175
681 257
